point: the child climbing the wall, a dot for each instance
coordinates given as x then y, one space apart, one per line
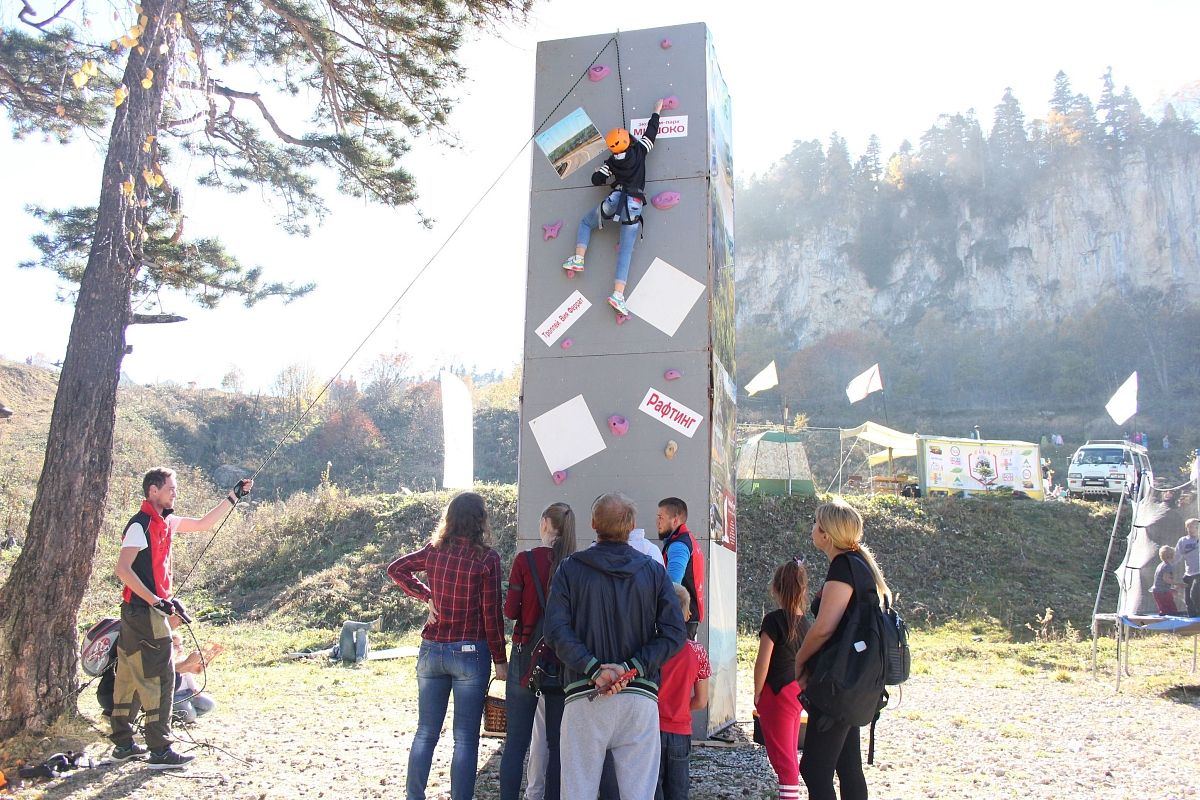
776 693
626 167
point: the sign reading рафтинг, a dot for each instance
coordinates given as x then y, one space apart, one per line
671 412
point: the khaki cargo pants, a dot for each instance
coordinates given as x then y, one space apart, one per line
145 677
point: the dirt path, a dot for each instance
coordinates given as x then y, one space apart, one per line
324 732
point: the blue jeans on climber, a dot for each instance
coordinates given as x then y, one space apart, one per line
627 218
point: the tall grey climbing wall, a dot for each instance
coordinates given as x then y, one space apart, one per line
642 404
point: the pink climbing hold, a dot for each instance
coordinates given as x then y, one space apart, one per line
559 477
672 375
598 73
670 103
618 425
622 319
551 231
566 344
664 200
665 44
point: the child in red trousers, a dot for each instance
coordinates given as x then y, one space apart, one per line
776 694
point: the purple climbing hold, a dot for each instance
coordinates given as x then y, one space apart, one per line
670 103
551 231
664 200
598 73
622 319
672 375
559 476
618 425
566 344
665 44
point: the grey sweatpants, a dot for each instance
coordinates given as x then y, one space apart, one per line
626 724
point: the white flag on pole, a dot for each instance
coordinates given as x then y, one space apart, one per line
863 385
458 464
1123 404
763 380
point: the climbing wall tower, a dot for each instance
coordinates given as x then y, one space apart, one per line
643 405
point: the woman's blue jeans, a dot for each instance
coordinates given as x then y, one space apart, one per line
442 667
629 233
520 708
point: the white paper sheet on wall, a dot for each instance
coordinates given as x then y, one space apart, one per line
567 434
664 296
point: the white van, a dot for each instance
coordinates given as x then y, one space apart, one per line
1107 467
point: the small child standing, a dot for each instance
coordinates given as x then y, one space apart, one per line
1164 583
776 693
682 689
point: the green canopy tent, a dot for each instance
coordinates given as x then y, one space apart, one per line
774 462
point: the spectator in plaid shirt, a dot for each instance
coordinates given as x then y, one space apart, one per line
465 631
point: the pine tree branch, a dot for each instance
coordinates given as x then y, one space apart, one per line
155 319
29 11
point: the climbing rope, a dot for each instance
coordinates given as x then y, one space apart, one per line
312 404
620 76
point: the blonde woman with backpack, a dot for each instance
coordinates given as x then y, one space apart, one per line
831 746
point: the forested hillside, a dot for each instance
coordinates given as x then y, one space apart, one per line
1029 265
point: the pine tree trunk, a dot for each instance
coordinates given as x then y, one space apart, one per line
40 601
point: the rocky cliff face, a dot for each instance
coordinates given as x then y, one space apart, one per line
1081 236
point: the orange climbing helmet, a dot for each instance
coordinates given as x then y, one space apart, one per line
617 140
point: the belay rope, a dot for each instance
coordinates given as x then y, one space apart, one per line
613 40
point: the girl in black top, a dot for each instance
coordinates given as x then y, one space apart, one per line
831 747
776 693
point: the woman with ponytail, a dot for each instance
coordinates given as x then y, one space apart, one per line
776 694
831 747
528 585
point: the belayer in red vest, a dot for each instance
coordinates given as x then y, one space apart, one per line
626 167
145 665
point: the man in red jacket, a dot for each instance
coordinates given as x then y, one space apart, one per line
145 664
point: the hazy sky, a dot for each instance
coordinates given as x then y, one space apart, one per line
795 71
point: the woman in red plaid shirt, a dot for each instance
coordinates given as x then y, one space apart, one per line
463 635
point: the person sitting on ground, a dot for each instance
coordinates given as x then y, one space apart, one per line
188 701
627 169
682 690
1164 583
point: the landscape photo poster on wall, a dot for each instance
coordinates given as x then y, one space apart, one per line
571 143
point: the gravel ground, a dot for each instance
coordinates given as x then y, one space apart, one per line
965 734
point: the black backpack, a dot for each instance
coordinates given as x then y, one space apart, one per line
849 676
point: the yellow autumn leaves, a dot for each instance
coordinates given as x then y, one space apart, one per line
86 72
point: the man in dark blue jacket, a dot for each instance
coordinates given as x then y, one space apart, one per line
612 610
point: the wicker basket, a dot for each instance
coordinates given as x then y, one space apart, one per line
495 717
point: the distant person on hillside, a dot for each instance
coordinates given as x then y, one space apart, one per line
1164 583
463 635
145 674
1187 552
776 693
1166 442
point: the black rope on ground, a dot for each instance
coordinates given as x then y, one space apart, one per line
270 457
